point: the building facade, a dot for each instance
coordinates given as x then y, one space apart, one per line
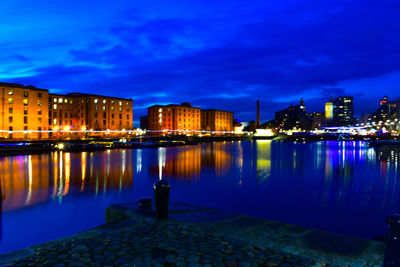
216 120
343 111
86 112
28 112
24 112
173 119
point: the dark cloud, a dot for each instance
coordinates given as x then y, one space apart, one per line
228 61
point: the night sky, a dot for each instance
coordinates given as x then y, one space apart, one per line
214 54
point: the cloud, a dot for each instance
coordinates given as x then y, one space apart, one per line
275 52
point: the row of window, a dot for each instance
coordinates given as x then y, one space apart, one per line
11 92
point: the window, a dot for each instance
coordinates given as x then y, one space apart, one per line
104 122
25 119
66 101
25 101
10 100
25 94
55 121
25 111
104 107
10 119
60 100
55 100
39 102
95 107
10 92
120 103
104 115
112 108
127 116
39 94
112 116
120 116
127 110
112 123
70 101
120 109
127 103
96 100
112 102
104 101
39 111
39 120
95 114
10 110
95 122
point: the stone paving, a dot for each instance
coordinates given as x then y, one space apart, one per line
195 236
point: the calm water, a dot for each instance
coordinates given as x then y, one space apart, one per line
335 186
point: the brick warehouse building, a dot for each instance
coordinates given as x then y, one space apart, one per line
23 109
216 120
187 119
80 112
172 118
30 110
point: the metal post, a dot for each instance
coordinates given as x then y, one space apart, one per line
161 199
392 254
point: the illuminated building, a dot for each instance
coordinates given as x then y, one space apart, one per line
174 118
329 109
24 111
292 117
317 118
343 111
387 110
66 113
102 113
216 120
30 113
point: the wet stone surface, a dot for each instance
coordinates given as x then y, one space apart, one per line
203 238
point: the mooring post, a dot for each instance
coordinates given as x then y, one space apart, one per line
392 254
161 199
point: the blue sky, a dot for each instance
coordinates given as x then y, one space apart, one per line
214 54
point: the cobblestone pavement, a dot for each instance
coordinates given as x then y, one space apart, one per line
207 238
152 243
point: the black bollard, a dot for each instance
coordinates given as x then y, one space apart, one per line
161 199
392 255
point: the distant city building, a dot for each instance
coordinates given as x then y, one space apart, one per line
293 117
174 118
24 111
318 119
329 109
33 113
343 111
387 110
216 120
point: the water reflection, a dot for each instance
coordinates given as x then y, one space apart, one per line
186 163
334 186
263 159
33 179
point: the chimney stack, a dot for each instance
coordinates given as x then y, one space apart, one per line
258 113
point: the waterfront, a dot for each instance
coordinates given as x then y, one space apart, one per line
333 186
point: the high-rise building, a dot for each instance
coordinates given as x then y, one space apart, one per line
343 111
216 120
24 111
329 109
